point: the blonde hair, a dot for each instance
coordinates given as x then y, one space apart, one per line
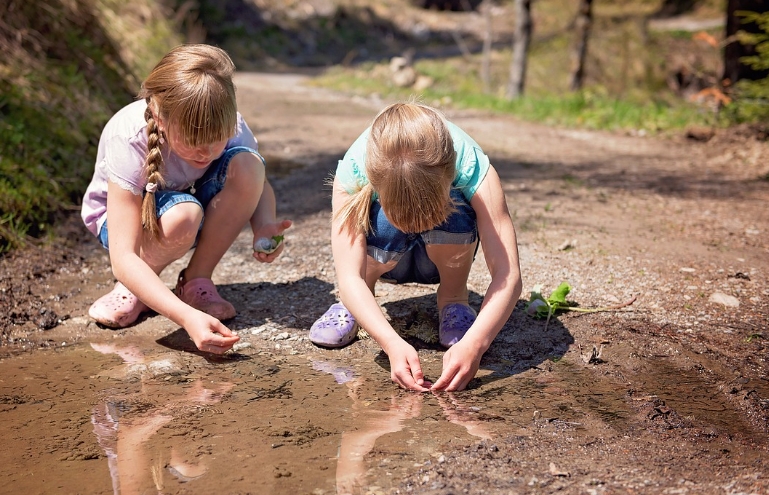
191 88
410 164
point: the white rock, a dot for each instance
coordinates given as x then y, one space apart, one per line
726 300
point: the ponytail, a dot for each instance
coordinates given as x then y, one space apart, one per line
354 214
154 170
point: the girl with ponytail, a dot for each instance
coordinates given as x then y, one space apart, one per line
164 184
413 198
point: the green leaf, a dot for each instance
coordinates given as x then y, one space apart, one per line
541 307
559 294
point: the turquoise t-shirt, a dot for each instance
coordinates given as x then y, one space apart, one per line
472 163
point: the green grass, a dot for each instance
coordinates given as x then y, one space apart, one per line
592 108
56 95
55 98
625 87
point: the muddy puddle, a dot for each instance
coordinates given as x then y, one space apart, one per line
129 417
129 414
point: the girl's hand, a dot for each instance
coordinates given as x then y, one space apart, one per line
405 369
210 334
269 230
460 364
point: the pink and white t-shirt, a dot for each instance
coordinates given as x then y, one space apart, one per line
121 155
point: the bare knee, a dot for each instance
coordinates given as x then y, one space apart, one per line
179 225
245 172
375 269
378 269
451 256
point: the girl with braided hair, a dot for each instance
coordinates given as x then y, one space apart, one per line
178 169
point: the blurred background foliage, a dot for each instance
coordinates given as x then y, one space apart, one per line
652 67
65 67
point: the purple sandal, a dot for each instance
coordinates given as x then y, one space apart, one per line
336 328
455 320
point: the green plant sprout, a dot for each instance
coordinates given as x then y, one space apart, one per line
541 307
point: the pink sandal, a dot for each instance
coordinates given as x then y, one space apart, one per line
200 293
117 309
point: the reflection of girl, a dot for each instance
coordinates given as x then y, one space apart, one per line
181 151
124 436
372 422
412 198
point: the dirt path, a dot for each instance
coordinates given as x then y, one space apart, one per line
668 395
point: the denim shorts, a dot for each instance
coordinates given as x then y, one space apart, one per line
206 187
385 243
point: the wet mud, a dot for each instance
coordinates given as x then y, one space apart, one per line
666 395
131 415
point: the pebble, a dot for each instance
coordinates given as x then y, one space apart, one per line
724 299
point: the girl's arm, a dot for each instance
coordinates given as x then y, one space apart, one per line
125 243
264 222
500 248
350 261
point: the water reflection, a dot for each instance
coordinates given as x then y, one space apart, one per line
461 414
342 374
370 423
124 424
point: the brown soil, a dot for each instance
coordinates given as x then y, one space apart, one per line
667 395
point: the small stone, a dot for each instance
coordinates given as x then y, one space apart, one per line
700 133
567 245
265 245
724 299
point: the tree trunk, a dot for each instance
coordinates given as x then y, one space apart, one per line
672 8
486 9
583 25
521 41
734 70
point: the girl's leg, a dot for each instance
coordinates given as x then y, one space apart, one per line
179 221
178 229
227 213
337 327
451 248
375 269
453 262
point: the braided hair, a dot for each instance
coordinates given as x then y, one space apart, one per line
190 88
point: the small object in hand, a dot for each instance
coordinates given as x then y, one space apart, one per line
267 245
